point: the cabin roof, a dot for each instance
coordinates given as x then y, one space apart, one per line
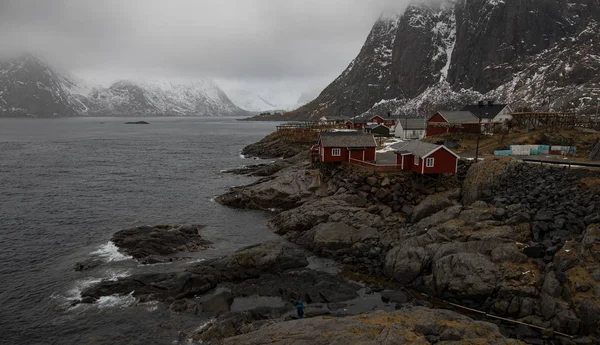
485 111
347 139
418 148
374 125
459 116
357 121
409 123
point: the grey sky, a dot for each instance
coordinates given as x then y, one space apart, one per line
240 43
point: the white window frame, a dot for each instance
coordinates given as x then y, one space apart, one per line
416 161
428 161
336 150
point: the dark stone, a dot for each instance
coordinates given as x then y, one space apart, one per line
498 213
537 251
87 264
137 123
161 240
88 299
394 296
220 303
544 216
589 314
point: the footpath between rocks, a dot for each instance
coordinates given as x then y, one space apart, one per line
510 239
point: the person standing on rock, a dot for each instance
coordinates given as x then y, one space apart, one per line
300 309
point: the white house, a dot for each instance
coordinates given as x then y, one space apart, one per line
410 128
490 112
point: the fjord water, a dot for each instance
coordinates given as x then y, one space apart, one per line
66 185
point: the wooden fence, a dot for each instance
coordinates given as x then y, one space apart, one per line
375 167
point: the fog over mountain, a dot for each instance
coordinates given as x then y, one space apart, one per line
261 53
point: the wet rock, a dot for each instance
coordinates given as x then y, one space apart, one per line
159 240
87 264
220 303
301 284
184 305
394 296
337 235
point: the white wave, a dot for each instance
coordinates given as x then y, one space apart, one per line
150 306
118 274
109 252
212 199
196 261
116 301
242 156
75 292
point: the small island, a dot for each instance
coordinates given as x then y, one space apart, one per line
137 123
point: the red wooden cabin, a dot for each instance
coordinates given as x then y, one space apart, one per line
425 158
341 146
452 122
357 124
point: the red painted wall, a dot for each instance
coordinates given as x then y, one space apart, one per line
370 154
330 158
444 163
355 154
377 119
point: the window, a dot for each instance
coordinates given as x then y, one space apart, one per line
336 152
429 162
416 160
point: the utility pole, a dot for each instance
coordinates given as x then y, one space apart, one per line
478 135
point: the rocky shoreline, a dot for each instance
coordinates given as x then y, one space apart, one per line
513 241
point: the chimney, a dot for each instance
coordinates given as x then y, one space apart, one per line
490 103
480 104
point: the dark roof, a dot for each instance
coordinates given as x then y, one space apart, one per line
459 116
485 111
347 139
373 125
416 147
408 123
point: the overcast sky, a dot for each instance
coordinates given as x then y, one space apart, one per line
299 45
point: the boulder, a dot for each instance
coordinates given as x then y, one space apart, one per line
589 314
440 217
465 275
338 235
405 263
483 176
430 205
184 305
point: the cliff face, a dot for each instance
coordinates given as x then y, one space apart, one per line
538 53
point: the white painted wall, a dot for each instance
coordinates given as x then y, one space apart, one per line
399 132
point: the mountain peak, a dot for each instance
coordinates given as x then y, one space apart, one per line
443 54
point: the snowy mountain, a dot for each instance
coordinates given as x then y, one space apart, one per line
536 53
161 98
266 98
29 87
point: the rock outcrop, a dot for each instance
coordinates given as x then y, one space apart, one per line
152 244
417 325
274 269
